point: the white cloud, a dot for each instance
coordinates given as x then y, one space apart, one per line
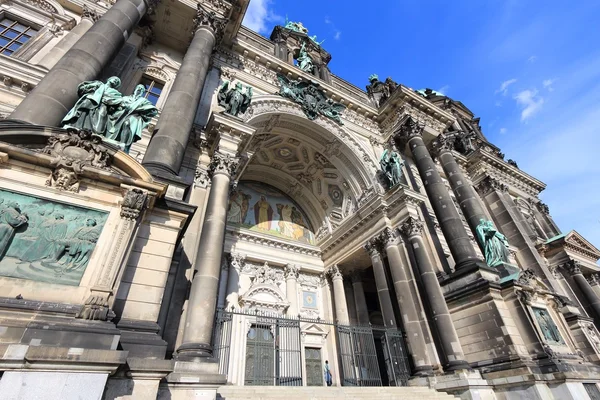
327 20
530 103
502 131
260 16
547 83
504 86
338 35
531 59
444 90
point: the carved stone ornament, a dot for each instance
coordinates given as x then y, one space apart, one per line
374 246
334 272
412 227
291 271
489 184
594 279
311 98
527 278
444 142
201 178
76 149
237 261
574 267
96 309
63 179
267 274
389 236
543 207
210 19
89 14
134 203
592 334
223 164
408 130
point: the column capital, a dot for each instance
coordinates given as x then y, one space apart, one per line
90 14
574 267
201 177
408 130
291 271
594 279
374 246
334 272
389 237
412 227
237 261
210 19
490 184
443 143
223 164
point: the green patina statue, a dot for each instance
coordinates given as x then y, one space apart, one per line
548 327
495 245
235 100
103 110
305 62
298 27
311 98
391 165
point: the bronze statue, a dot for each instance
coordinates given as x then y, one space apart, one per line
234 100
494 243
305 62
391 165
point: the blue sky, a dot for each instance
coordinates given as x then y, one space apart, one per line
529 69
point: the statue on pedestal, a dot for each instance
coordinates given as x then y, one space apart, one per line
391 165
494 243
235 100
103 110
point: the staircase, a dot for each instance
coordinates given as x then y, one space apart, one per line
318 393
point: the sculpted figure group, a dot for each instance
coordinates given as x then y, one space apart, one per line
103 110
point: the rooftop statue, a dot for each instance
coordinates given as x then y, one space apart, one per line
495 245
295 26
103 110
312 99
380 91
305 62
391 165
235 100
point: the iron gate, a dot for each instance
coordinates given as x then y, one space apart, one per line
359 358
397 358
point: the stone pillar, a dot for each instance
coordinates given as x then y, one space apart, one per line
415 338
465 193
232 295
291 288
574 269
447 215
339 296
167 147
223 281
362 311
197 334
57 52
441 315
351 304
56 93
383 291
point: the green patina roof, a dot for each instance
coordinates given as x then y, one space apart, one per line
552 239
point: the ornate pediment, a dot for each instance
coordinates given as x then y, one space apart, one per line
578 244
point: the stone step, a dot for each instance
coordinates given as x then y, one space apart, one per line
316 393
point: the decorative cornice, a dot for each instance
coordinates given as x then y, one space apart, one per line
412 227
252 237
223 164
489 184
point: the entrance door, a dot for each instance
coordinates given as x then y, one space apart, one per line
314 377
260 356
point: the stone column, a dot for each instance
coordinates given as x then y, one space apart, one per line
410 316
574 269
339 296
87 20
223 281
232 295
413 229
362 311
56 93
383 291
200 312
291 288
447 215
167 147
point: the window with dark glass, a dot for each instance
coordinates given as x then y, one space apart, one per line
13 35
153 89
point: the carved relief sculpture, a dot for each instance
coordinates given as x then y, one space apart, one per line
235 100
547 326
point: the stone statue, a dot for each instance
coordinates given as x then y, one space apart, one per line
548 327
11 218
379 91
103 110
305 62
494 243
464 142
97 101
234 100
311 98
391 165
129 120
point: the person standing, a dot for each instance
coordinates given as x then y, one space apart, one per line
328 379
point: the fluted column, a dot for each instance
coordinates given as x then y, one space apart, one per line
87 20
56 93
200 313
167 147
413 229
447 215
410 316
574 269
339 296
373 247
360 301
291 287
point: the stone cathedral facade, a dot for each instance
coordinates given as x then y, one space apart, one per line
246 215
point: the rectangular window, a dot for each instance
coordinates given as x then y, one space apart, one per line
13 35
153 89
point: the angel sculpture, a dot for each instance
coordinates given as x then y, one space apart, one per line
311 98
234 100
